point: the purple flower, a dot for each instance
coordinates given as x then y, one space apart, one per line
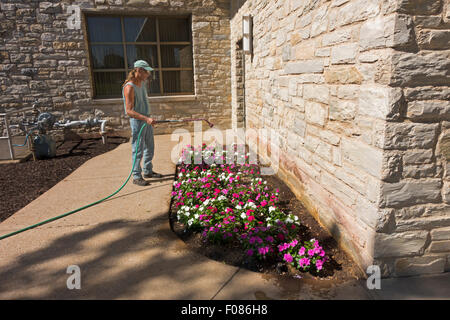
311 252
249 252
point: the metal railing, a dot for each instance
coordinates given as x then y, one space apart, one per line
9 136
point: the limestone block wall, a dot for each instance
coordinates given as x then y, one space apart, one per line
41 59
416 188
345 84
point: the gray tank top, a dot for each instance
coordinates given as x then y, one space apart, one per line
141 104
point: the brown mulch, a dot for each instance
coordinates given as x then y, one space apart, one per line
23 182
340 267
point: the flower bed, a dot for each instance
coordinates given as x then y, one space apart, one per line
232 205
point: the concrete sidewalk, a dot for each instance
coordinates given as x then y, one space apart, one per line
126 250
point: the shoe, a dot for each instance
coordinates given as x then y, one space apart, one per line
153 175
140 182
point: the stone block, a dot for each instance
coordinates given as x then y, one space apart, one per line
440 246
446 190
343 75
443 148
427 93
391 31
320 21
380 102
418 156
48 7
342 191
427 22
434 39
319 93
411 192
440 234
410 135
400 244
362 156
419 171
420 7
358 10
307 66
419 265
336 37
428 110
316 113
344 53
348 92
342 110
420 69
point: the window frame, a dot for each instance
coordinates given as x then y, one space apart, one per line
124 43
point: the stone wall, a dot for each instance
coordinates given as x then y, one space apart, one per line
41 59
345 84
416 188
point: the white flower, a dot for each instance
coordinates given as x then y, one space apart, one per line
187 213
190 221
272 209
238 207
295 218
196 216
243 215
180 174
289 220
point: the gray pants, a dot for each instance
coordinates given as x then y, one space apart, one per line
145 149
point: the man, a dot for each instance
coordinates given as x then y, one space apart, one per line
137 108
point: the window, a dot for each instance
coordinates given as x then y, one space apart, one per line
164 42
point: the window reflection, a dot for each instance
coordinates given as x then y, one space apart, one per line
174 30
107 57
142 52
176 56
140 29
108 84
104 29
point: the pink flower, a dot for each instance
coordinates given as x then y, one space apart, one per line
251 218
264 203
288 258
319 264
304 262
301 252
311 252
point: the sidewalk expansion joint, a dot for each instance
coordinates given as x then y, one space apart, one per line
226 283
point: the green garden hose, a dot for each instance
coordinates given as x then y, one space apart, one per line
82 208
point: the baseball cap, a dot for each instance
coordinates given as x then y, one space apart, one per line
142 64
